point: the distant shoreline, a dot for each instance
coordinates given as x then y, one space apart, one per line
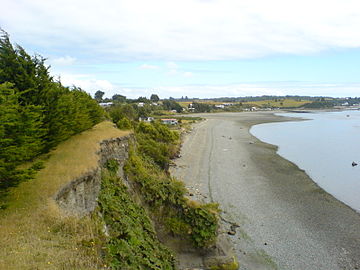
272 200
301 161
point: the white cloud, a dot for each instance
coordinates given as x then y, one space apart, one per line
172 65
63 61
87 82
188 74
266 88
184 30
174 69
91 85
147 66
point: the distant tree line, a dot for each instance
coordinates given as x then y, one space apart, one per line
36 111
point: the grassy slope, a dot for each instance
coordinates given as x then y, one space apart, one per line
33 234
284 103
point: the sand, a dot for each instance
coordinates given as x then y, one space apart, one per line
286 221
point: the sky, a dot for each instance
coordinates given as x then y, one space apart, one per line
194 48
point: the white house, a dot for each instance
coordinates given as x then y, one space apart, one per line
146 119
105 104
169 121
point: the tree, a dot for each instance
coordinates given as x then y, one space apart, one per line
142 99
36 112
120 111
99 96
154 98
201 107
172 105
21 133
119 98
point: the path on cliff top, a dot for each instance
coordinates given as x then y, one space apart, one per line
286 221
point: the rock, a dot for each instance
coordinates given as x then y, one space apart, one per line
231 232
222 257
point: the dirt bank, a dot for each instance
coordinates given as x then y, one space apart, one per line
286 221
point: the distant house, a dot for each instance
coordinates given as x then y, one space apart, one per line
221 106
169 121
146 119
141 104
105 104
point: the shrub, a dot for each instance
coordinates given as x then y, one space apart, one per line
124 124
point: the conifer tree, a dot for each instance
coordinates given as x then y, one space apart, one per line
36 112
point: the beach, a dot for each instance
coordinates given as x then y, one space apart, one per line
285 220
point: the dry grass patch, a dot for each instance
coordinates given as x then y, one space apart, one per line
33 233
281 103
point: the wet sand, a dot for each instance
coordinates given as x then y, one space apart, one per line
286 221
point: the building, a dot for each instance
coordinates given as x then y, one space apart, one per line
146 119
169 121
105 104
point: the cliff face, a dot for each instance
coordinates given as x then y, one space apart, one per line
79 197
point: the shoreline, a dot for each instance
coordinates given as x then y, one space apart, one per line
286 220
298 164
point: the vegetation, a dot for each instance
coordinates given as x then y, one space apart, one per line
278 103
201 107
34 234
132 242
36 112
172 105
154 98
147 168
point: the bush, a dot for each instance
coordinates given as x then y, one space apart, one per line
124 124
190 220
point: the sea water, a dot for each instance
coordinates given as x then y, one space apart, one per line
325 146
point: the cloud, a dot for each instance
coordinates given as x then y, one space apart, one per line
91 84
175 69
63 61
147 66
87 82
172 65
183 30
259 89
188 74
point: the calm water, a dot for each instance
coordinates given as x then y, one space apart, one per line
324 146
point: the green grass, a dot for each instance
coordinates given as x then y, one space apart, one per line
284 103
33 232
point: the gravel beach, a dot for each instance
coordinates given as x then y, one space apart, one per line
285 220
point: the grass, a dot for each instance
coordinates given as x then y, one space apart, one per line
185 104
283 103
33 232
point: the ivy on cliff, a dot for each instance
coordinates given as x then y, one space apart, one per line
132 241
